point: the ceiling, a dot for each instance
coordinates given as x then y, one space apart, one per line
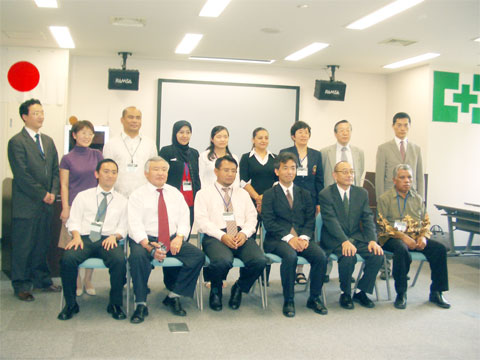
447 27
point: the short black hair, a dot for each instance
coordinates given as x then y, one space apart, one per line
228 158
401 115
300 125
341 122
283 158
24 107
104 161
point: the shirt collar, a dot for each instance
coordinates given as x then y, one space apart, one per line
253 152
31 132
220 186
153 188
126 137
397 140
341 191
340 146
284 188
100 190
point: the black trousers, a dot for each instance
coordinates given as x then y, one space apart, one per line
114 259
346 266
221 261
314 255
182 282
436 254
30 243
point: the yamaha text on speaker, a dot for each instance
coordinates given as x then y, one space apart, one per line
123 79
330 90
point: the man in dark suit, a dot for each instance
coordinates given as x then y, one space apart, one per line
348 229
289 218
34 162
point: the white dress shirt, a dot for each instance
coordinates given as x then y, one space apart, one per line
348 152
342 192
143 212
84 210
125 150
210 207
288 237
32 134
405 143
206 166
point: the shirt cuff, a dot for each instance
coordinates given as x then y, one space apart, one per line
305 237
287 238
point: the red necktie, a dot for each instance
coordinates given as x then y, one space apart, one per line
402 150
163 229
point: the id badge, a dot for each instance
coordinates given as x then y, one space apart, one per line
96 226
400 225
228 216
131 167
301 171
187 186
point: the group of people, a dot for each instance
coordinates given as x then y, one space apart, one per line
132 195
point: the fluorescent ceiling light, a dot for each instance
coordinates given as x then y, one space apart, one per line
204 58
213 8
477 39
383 13
47 3
62 35
189 42
411 61
306 51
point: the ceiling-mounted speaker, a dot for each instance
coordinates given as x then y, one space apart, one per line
330 90
119 79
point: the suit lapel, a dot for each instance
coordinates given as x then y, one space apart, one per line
338 203
332 156
395 151
33 145
281 196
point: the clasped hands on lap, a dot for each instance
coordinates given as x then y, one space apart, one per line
234 242
348 249
419 244
298 244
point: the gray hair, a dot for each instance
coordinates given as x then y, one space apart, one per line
155 159
402 167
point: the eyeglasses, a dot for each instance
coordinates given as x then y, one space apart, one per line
38 113
347 172
233 171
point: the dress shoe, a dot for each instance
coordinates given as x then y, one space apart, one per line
139 315
437 298
235 297
346 301
216 299
25 296
326 279
116 311
51 288
68 312
316 304
363 299
401 301
289 308
173 303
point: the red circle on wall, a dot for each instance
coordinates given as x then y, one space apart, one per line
23 76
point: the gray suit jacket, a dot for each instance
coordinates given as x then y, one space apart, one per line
33 175
388 156
329 160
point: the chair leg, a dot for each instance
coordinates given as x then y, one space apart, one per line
387 275
324 297
262 294
61 300
200 290
418 273
265 287
128 289
376 291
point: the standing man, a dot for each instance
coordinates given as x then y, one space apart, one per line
227 217
158 224
289 219
404 225
398 151
98 220
342 151
33 159
130 150
348 229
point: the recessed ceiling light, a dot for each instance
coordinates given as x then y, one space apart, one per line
62 36
270 30
254 61
302 6
411 61
47 3
383 13
306 51
188 43
213 8
128 21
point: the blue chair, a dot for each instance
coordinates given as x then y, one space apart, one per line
416 256
237 263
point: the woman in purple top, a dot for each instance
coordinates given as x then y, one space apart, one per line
77 174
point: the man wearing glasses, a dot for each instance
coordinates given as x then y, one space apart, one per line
348 229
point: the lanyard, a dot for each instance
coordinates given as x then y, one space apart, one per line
98 216
404 205
128 150
223 199
186 170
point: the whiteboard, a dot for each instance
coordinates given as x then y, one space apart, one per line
239 107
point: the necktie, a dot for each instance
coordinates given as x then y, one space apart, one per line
344 154
290 203
37 141
402 150
163 229
346 205
231 224
100 217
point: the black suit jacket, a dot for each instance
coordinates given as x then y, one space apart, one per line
278 217
313 182
336 227
33 175
175 172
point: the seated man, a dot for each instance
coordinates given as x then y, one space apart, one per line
158 221
289 218
227 217
97 222
348 229
404 225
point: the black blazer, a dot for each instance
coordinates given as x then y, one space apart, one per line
278 217
336 228
313 182
33 175
175 172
